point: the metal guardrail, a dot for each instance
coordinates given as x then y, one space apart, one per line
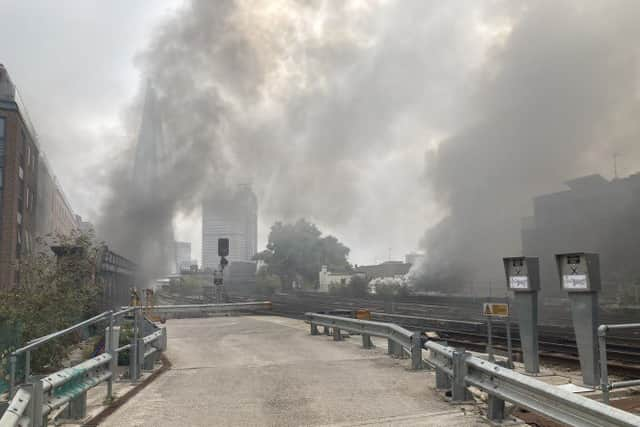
604 373
458 369
214 308
398 337
37 398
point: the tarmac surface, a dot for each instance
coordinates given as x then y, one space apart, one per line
269 371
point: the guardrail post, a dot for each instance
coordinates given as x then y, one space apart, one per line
495 408
337 334
141 350
35 404
111 341
27 366
150 361
134 371
163 339
416 351
443 382
459 392
604 371
391 347
314 329
12 375
366 341
77 409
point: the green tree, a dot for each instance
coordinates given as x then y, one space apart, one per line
266 283
297 252
53 293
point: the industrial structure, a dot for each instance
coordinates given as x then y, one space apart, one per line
594 215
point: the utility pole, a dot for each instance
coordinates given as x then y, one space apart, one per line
615 165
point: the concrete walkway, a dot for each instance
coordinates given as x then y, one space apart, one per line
268 371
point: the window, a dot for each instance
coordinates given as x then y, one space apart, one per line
19 218
2 127
26 198
20 172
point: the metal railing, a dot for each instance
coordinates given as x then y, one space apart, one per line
399 338
458 369
37 398
604 373
214 308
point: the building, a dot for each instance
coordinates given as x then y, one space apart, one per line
232 215
182 256
31 200
413 258
327 278
19 157
386 269
54 215
593 215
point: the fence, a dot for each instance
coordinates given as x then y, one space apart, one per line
66 389
456 370
398 338
604 374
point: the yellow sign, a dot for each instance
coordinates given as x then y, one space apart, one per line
495 309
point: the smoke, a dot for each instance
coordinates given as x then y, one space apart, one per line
554 102
329 107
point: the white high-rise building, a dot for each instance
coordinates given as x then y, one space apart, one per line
232 215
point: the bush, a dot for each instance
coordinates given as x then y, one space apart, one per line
53 293
267 284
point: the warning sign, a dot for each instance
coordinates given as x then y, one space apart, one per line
491 309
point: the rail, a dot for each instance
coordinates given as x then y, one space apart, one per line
215 308
604 373
38 398
398 337
458 369
38 342
35 399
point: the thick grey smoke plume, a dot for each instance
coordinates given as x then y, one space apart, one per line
556 101
329 106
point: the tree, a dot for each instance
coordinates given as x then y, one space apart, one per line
53 293
297 252
266 283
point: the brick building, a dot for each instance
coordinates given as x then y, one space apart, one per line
31 201
19 157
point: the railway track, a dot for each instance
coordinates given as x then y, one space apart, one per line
460 325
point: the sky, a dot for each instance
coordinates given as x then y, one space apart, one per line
394 125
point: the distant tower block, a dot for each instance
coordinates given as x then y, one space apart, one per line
234 215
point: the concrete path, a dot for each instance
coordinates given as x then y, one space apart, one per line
268 371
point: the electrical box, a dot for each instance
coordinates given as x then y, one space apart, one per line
522 273
223 247
579 272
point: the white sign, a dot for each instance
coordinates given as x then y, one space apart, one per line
574 281
518 282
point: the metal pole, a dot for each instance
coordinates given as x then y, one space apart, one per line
490 357
12 375
109 347
27 366
133 351
509 345
604 374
